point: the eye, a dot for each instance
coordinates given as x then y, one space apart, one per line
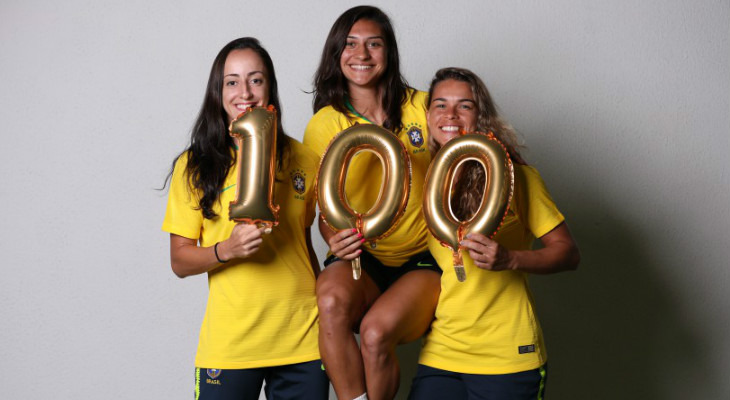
230 83
466 106
439 106
257 81
350 44
375 44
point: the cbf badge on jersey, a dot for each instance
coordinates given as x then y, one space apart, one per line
214 373
415 136
299 183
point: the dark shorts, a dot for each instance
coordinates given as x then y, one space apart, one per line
295 381
433 383
384 276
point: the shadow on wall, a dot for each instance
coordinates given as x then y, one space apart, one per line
612 328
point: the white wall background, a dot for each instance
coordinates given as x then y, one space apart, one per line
625 106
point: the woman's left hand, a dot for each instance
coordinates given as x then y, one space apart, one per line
486 253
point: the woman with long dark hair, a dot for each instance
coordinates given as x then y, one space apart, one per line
485 341
260 323
359 82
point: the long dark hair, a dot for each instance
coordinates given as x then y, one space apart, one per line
330 84
210 153
468 190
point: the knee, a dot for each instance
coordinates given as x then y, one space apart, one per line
375 338
333 305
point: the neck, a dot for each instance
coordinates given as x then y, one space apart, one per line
368 103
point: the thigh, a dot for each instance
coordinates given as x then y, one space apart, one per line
406 309
436 384
526 385
297 381
228 384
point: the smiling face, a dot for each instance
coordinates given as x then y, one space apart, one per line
451 111
245 82
363 59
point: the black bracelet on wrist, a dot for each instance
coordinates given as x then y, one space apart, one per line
215 250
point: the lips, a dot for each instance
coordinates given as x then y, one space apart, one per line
244 106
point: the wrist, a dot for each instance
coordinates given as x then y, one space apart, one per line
219 253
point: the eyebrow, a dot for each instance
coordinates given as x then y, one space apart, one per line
249 74
367 38
460 100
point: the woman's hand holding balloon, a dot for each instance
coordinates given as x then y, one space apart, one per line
244 241
486 253
346 243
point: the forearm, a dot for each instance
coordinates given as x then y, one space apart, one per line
556 258
187 258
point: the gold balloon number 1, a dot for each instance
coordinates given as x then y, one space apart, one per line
442 223
255 134
394 190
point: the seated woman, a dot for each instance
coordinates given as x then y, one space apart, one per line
260 324
359 82
485 341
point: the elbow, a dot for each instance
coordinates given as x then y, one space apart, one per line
178 270
573 259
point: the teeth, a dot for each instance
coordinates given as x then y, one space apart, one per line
450 128
243 107
360 67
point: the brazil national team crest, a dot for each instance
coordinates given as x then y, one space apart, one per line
213 373
415 135
298 180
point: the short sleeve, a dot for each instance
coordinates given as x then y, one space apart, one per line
539 213
182 216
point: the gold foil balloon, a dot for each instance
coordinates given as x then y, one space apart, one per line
255 134
499 184
394 190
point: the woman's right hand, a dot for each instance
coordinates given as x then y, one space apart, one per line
346 243
244 241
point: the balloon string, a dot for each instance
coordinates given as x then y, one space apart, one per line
459 266
356 268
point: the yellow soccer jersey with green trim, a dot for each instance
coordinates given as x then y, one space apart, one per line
261 311
487 324
364 175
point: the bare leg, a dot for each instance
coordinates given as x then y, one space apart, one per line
401 315
342 302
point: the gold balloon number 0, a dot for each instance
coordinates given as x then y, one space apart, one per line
383 216
499 185
255 134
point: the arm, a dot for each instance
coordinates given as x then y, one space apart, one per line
187 258
560 253
344 244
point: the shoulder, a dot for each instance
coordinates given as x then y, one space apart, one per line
302 156
181 163
527 175
326 116
415 99
323 126
417 96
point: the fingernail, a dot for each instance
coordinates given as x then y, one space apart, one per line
354 230
359 235
362 240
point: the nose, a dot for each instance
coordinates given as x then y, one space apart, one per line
245 91
362 52
451 113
